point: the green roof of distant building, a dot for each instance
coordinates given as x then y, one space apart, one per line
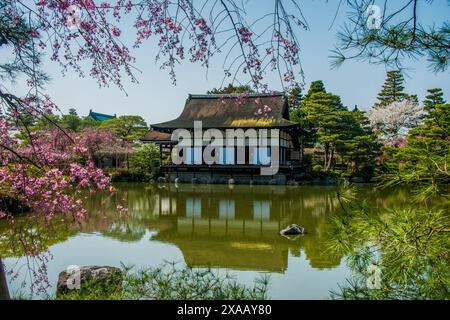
100 116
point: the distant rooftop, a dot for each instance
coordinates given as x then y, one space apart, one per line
100 116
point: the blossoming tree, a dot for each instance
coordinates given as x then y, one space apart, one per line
45 172
393 121
77 33
80 33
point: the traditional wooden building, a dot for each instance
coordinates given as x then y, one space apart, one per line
239 112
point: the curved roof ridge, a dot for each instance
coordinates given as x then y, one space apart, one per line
101 116
234 95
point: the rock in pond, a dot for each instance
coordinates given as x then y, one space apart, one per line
162 180
106 279
292 230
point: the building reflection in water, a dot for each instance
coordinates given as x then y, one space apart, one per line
211 225
236 228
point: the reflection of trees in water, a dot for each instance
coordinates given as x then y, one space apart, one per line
212 225
250 238
403 253
25 244
31 234
240 224
103 217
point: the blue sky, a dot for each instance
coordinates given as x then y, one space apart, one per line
156 99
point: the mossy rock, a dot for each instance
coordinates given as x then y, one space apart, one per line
95 282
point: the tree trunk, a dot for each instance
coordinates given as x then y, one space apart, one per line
325 156
330 159
4 292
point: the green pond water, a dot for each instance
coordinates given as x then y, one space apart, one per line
231 229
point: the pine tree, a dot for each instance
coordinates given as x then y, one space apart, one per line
295 98
413 98
338 130
424 161
299 114
392 90
435 97
322 113
359 147
316 86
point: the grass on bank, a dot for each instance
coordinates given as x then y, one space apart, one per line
170 282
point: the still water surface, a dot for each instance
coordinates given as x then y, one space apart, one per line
233 229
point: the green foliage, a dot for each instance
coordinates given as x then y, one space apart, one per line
357 143
319 113
128 128
397 34
23 118
317 168
424 162
145 161
392 90
126 175
315 87
337 129
169 282
16 35
295 98
435 96
231 89
71 120
44 122
410 247
88 122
